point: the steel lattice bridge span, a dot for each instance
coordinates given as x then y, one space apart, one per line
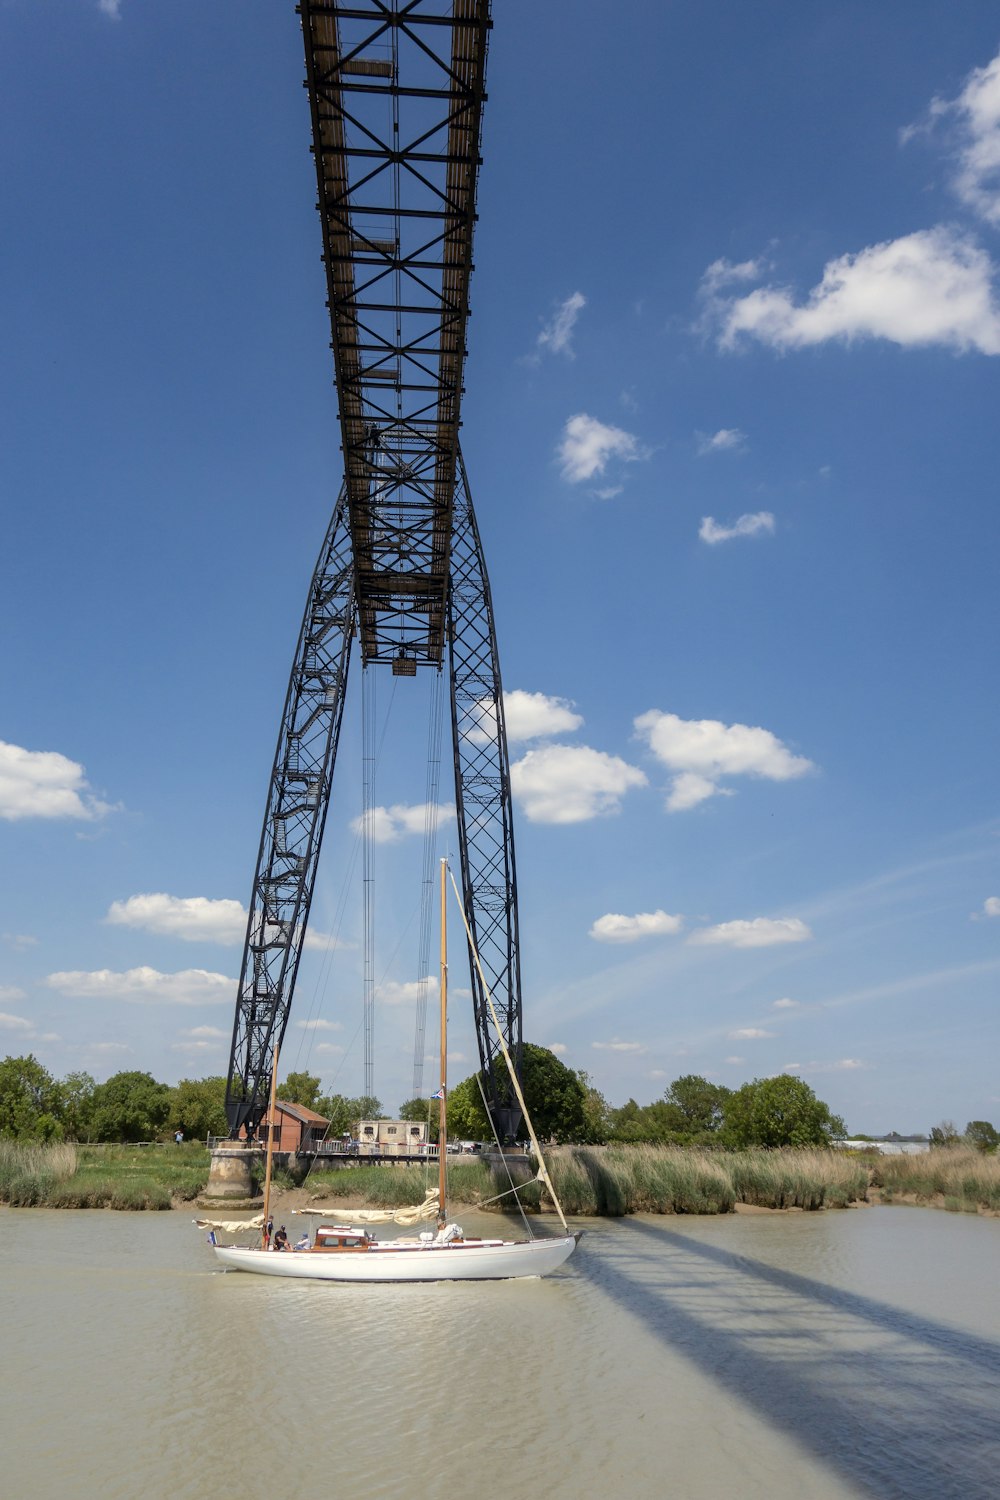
396 92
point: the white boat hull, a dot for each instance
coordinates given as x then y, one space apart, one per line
463 1260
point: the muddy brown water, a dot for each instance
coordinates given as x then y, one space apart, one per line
809 1355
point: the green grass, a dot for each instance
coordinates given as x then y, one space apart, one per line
590 1180
124 1177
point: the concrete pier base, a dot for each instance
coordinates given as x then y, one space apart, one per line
229 1173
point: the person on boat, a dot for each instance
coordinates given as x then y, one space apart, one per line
302 1243
268 1231
281 1239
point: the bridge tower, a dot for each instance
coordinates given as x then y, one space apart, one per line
396 93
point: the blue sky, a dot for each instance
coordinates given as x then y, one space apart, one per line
731 430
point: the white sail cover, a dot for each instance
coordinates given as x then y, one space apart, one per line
411 1214
231 1226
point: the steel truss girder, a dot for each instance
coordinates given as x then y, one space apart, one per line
485 811
297 802
396 91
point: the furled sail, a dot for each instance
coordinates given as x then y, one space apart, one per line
231 1226
411 1214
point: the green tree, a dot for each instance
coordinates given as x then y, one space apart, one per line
30 1100
345 1114
130 1107
300 1088
982 1135
77 1091
198 1107
466 1117
657 1123
596 1112
555 1096
422 1112
944 1134
780 1111
700 1106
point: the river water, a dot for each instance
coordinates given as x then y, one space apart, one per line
809 1355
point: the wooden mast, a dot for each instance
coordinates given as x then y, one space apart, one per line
270 1145
442 1096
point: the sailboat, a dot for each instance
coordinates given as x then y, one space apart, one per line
350 1252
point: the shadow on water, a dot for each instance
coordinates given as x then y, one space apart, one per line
900 1406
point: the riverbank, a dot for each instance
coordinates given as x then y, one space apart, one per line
592 1181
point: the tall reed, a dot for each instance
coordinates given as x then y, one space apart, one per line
962 1176
29 1172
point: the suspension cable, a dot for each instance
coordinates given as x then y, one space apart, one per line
431 793
368 729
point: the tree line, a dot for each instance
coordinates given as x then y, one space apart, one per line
565 1106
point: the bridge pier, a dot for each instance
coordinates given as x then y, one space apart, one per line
229 1176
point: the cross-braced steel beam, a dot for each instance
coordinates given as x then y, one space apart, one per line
485 813
297 802
396 90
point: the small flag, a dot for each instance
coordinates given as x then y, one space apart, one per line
439 1094
211 1237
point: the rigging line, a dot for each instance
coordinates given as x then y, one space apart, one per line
513 1186
431 794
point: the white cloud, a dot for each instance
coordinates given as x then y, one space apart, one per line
9 993
688 789
588 444
760 932
330 1048
194 919
106 1048
723 273
557 334
977 112
14 1023
44 784
608 492
726 439
712 532
734 1060
193 1046
614 928
319 1025
991 906
571 783
145 986
206 1033
390 824
930 287
406 992
20 940
784 1005
701 751
559 1048
843 1065
112 8
527 716
749 1034
618 1046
